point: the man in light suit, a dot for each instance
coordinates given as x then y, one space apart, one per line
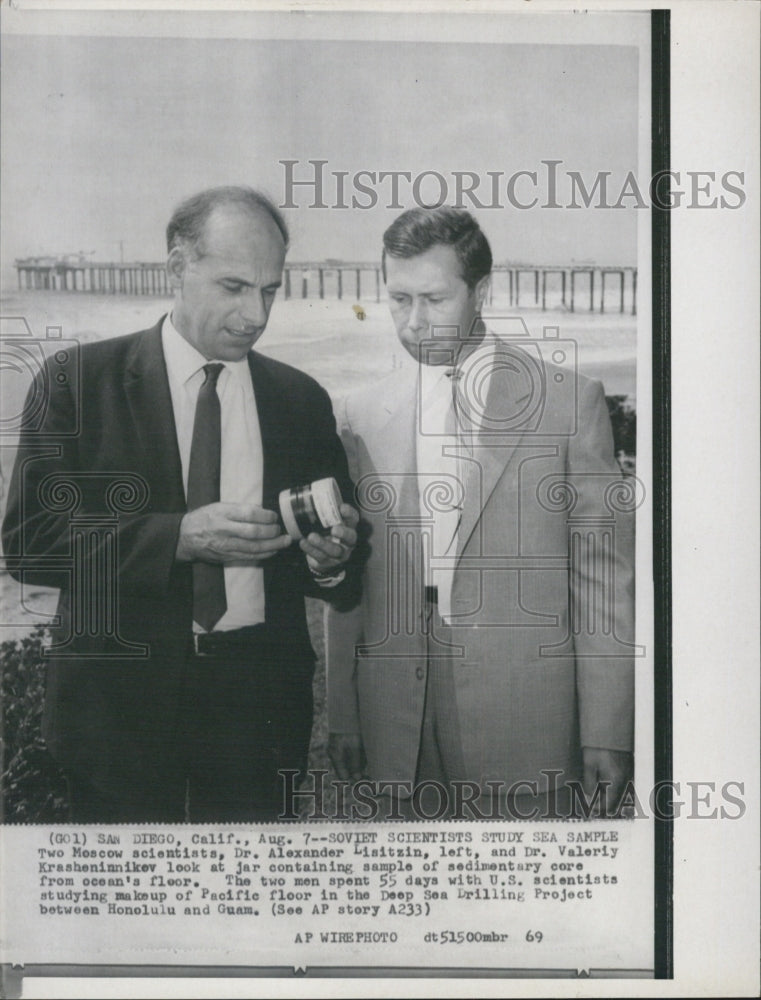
494 639
179 680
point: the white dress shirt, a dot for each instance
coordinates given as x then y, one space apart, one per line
242 467
443 452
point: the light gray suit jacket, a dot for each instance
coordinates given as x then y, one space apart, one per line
542 598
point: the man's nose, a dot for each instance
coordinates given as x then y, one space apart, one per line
253 311
417 319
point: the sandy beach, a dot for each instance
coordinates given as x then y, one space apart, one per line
323 336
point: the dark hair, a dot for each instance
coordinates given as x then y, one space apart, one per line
187 225
420 229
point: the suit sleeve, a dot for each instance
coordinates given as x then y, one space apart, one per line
327 458
602 581
37 523
343 631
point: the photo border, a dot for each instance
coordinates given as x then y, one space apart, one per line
13 976
660 27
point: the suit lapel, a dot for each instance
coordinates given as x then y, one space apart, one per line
513 387
394 452
274 431
396 447
147 389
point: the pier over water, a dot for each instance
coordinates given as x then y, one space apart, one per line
575 287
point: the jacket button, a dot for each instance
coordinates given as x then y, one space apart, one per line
420 673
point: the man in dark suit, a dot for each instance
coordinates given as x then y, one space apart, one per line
179 680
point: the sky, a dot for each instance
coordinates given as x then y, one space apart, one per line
102 136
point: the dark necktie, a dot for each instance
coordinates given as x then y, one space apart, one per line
209 601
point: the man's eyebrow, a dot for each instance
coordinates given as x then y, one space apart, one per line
234 279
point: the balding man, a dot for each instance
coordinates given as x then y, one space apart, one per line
206 693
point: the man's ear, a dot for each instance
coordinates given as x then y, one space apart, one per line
481 289
175 268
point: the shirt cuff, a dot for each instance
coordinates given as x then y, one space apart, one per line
331 580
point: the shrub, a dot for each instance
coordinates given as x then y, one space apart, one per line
623 418
33 788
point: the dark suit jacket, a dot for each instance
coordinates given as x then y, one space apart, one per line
107 714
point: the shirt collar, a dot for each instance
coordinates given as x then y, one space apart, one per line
183 361
432 376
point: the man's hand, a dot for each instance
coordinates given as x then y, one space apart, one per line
230 533
613 766
326 553
347 755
